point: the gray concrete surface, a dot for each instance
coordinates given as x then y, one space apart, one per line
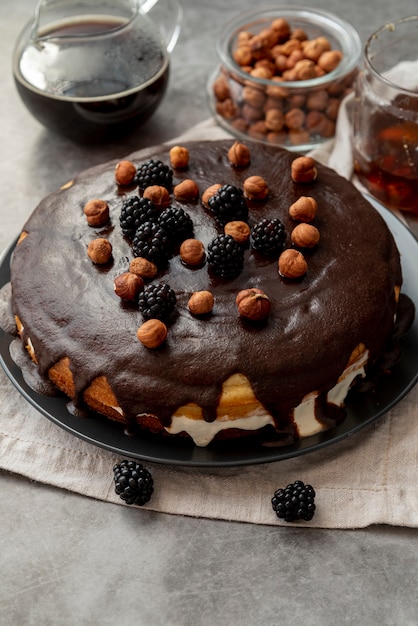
68 560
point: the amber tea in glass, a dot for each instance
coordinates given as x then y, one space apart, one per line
385 120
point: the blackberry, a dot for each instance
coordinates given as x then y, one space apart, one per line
228 204
153 172
177 223
295 502
225 256
268 237
152 242
133 483
157 301
134 212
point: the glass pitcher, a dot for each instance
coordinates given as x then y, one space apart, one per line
87 67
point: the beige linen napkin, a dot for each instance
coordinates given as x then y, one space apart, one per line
369 478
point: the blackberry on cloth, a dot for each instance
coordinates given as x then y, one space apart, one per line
133 483
295 502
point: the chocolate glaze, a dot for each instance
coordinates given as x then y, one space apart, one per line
68 307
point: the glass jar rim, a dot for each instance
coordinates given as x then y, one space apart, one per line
388 27
342 31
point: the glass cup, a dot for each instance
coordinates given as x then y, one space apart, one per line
385 116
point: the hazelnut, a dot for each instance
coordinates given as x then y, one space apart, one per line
329 60
186 190
252 114
254 98
158 195
200 302
317 123
298 136
96 212
220 90
304 209
261 72
274 120
304 169
243 55
228 109
269 64
143 268
293 58
294 119
313 48
192 252
292 264
240 231
100 251
209 192
239 155
179 157
318 100
255 188
125 172
243 37
277 90
127 286
305 236
258 130
281 26
305 69
253 304
152 333
290 46
299 33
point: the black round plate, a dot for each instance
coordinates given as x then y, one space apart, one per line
362 410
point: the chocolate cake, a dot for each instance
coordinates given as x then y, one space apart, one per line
283 323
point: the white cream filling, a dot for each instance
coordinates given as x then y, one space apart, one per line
304 414
203 432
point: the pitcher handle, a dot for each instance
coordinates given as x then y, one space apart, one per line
170 28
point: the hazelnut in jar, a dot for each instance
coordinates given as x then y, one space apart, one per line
284 85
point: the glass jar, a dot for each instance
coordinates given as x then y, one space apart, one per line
385 116
298 111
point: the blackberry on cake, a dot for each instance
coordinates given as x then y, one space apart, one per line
153 172
268 237
177 223
157 300
295 502
152 242
134 212
225 256
228 204
133 482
